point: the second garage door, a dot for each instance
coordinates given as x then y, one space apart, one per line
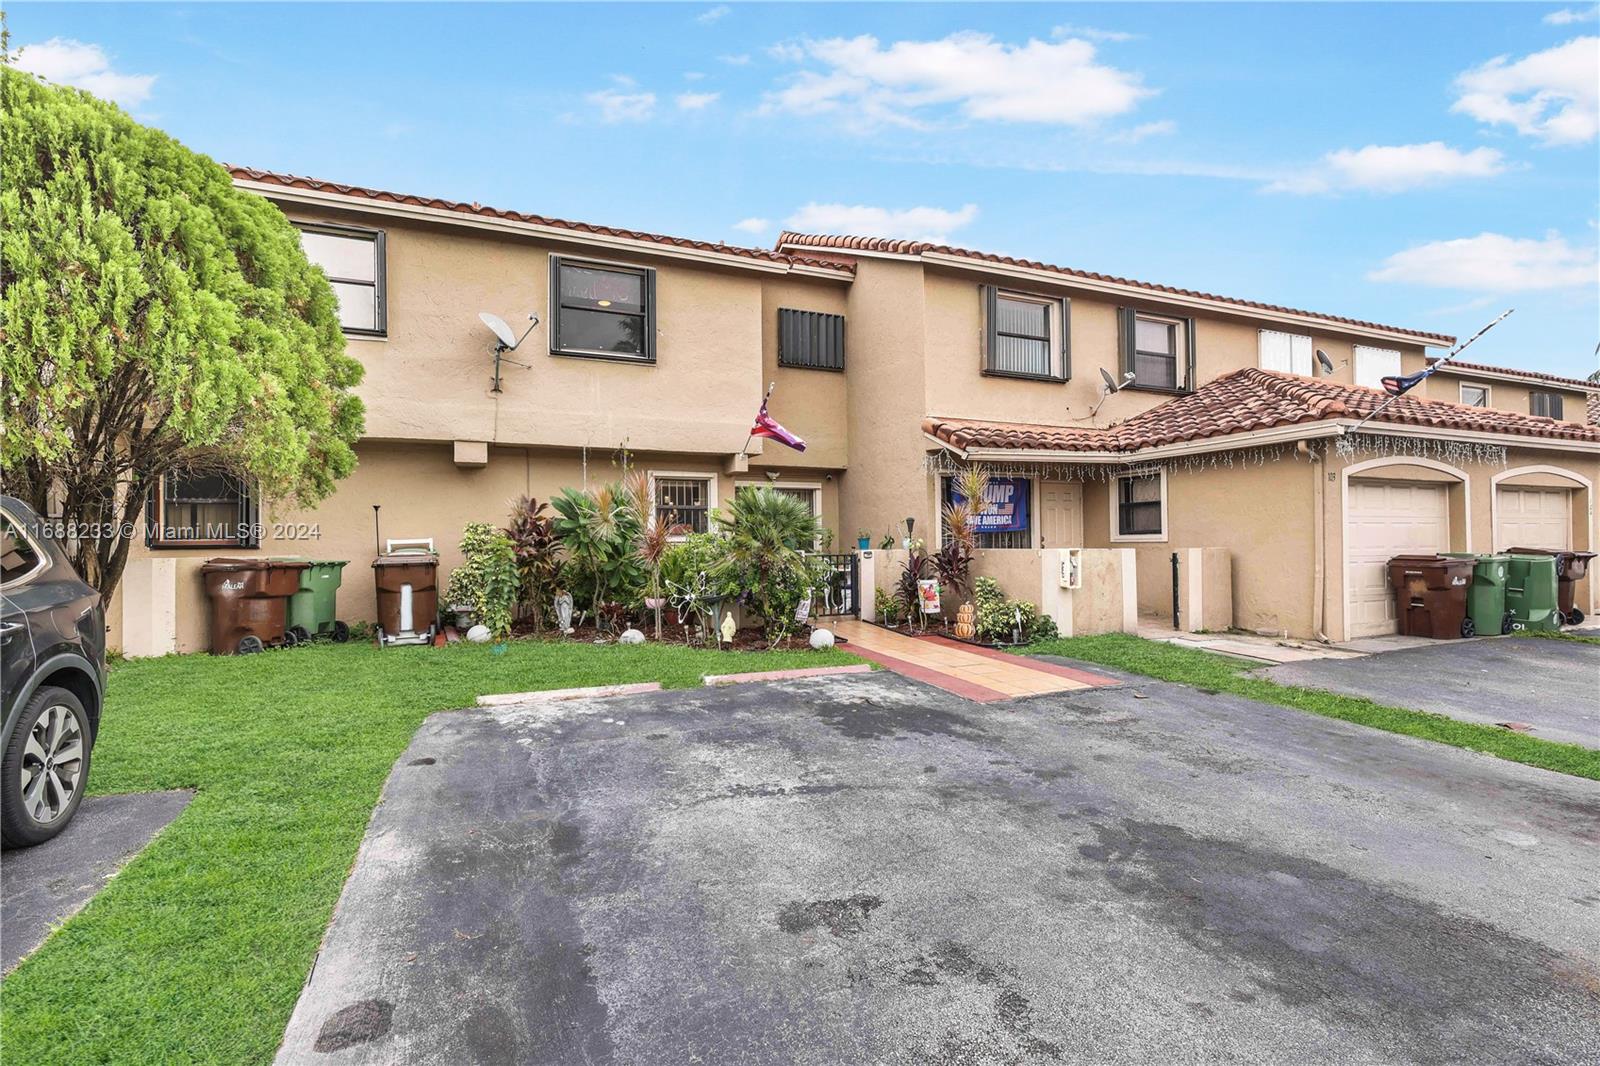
1533 518
1387 518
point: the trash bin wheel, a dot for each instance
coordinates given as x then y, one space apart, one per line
1507 624
341 632
249 644
301 634
289 638
1469 628
1574 617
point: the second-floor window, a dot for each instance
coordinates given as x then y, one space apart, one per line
602 310
1025 336
812 340
1288 353
1158 350
353 260
1547 404
1375 364
1475 395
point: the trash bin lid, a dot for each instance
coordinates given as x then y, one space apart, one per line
406 559
226 565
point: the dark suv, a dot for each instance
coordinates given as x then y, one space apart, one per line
53 652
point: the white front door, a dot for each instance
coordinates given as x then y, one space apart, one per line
1387 518
1533 518
1060 514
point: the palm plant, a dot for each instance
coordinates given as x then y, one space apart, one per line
953 561
538 550
653 540
768 536
598 530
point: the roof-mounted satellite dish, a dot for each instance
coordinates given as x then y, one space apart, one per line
1324 362
509 342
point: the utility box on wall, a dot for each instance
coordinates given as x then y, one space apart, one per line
1090 590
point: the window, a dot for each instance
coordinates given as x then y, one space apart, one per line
810 339
1157 350
683 503
1475 395
18 557
1139 505
1375 364
1547 404
602 311
810 495
1025 336
1287 353
201 510
353 260
1016 497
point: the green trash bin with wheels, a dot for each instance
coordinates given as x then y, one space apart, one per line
1531 593
313 608
1486 597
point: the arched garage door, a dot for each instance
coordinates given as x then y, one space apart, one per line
1527 517
1385 519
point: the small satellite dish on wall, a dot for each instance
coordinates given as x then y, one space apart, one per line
508 342
1324 362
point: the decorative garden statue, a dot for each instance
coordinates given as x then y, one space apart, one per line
563 605
966 622
729 628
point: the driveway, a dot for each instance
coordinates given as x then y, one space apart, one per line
866 870
1551 685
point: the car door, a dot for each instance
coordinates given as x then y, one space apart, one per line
21 561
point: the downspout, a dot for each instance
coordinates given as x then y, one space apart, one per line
1318 537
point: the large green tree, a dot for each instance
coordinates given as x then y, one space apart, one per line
152 318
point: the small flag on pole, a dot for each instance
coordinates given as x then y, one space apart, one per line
767 426
1395 385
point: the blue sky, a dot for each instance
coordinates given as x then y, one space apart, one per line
1425 165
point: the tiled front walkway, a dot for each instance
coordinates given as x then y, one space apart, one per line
980 674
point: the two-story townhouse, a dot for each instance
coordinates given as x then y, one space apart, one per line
1234 424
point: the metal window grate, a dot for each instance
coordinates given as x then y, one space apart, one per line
810 339
205 509
681 504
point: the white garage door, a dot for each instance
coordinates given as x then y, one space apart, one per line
1533 518
1387 518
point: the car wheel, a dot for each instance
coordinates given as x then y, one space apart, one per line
45 768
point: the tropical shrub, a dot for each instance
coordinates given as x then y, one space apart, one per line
768 538
918 567
692 579
598 530
997 616
953 561
538 552
487 578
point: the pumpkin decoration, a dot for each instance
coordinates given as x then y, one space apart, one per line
965 619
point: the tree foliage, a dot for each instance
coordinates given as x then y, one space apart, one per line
152 318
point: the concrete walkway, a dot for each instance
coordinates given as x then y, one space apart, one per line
980 674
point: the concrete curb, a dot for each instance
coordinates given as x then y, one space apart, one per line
555 695
786 675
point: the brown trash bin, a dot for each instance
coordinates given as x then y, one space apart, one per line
408 596
1430 596
249 600
1571 567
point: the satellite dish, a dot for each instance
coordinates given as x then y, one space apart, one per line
1324 362
500 329
1110 382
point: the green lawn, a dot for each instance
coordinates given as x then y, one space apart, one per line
1221 673
197 951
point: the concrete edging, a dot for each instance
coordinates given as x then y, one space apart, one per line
554 695
786 675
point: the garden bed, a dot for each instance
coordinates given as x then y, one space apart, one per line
748 638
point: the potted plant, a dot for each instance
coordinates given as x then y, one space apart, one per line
863 539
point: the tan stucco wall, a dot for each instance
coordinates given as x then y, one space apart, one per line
812 403
422 493
1504 395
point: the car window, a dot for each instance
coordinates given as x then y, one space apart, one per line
18 558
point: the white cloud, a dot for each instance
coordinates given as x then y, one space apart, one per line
692 75
1493 262
984 79
707 17
753 225
618 106
1553 95
84 66
1089 33
916 223
1142 131
696 101
1567 16
1392 168
742 59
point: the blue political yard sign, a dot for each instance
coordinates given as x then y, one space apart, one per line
1005 506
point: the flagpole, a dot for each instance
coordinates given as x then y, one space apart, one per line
1435 365
745 451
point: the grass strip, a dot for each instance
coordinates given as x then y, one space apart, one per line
1220 673
197 950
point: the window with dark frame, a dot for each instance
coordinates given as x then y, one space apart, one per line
1547 404
810 340
353 259
1019 538
1139 505
192 509
683 504
1021 335
1158 350
1475 395
602 311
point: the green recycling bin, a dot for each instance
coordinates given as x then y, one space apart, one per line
312 608
1486 598
1531 592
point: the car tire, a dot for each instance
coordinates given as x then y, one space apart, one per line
31 778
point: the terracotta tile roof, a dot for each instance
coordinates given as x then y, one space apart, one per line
1532 375
841 266
1594 409
1245 401
819 242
